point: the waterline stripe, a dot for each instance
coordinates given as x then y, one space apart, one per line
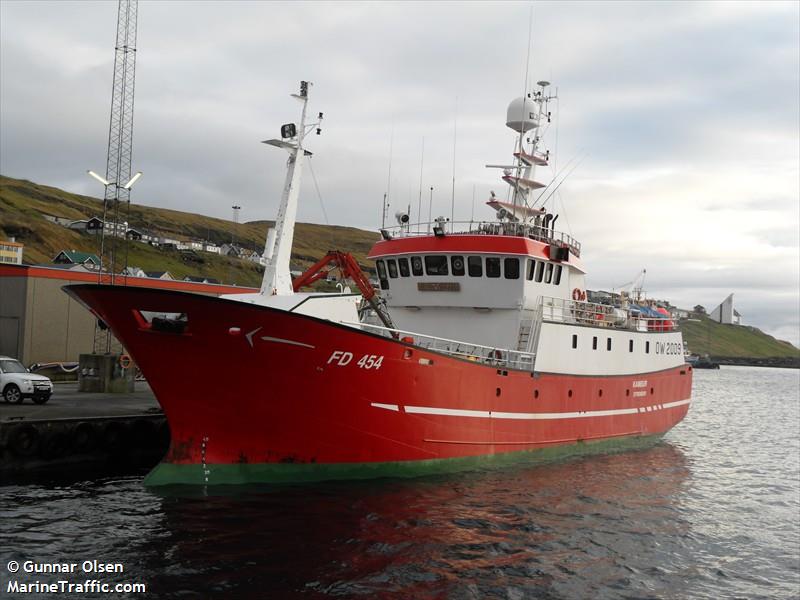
393 407
486 414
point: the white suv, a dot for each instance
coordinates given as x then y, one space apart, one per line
16 383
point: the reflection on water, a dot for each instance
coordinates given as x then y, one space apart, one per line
525 529
708 513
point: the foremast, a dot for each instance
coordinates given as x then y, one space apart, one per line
525 115
278 251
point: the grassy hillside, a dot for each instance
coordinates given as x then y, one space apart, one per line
23 202
730 341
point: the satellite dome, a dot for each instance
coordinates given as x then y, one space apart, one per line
522 115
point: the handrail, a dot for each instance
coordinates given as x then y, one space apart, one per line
559 310
477 352
534 232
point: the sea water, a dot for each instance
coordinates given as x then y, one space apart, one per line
709 512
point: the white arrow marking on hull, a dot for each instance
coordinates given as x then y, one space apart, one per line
250 335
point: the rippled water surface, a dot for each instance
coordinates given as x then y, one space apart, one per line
710 512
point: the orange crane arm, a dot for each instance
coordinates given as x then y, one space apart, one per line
349 268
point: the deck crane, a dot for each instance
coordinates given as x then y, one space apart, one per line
349 268
634 289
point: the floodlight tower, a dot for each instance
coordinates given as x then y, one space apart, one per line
120 131
118 180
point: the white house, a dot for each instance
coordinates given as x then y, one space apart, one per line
209 247
133 272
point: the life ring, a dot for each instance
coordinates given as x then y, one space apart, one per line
578 295
125 361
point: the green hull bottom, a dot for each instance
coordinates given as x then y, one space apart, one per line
246 473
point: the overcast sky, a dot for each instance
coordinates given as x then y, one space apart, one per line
687 114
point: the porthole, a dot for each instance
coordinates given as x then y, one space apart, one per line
652 391
600 393
535 393
569 393
627 392
497 392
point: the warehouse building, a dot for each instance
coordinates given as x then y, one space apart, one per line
39 323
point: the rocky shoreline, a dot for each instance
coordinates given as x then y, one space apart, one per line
786 362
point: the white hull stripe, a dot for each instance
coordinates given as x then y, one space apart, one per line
266 338
486 414
393 407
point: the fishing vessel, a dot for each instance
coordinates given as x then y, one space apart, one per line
479 347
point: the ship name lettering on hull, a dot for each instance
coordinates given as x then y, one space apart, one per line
341 358
672 348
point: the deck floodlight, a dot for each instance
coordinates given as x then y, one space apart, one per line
288 131
133 180
438 231
98 177
386 235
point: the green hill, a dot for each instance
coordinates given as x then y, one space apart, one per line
23 204
705 336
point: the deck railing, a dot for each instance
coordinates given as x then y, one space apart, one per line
541 234
488 355
559 310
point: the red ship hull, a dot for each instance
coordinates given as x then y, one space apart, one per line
258 394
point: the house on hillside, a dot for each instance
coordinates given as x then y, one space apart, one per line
257 258
133 272
79 225
168 242
210 247
74 257
96 226
11 252
231 250
134 234
159 275
679 313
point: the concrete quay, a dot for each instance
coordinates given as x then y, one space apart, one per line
77 431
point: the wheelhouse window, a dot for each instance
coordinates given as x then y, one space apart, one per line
381 266
511 268
475 266
416 265
457 265
574 340
492 267
548 273
531 269
608 344
436 265
402 264
539 271
594 343
392 268
557 275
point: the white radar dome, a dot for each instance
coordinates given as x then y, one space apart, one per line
522 115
